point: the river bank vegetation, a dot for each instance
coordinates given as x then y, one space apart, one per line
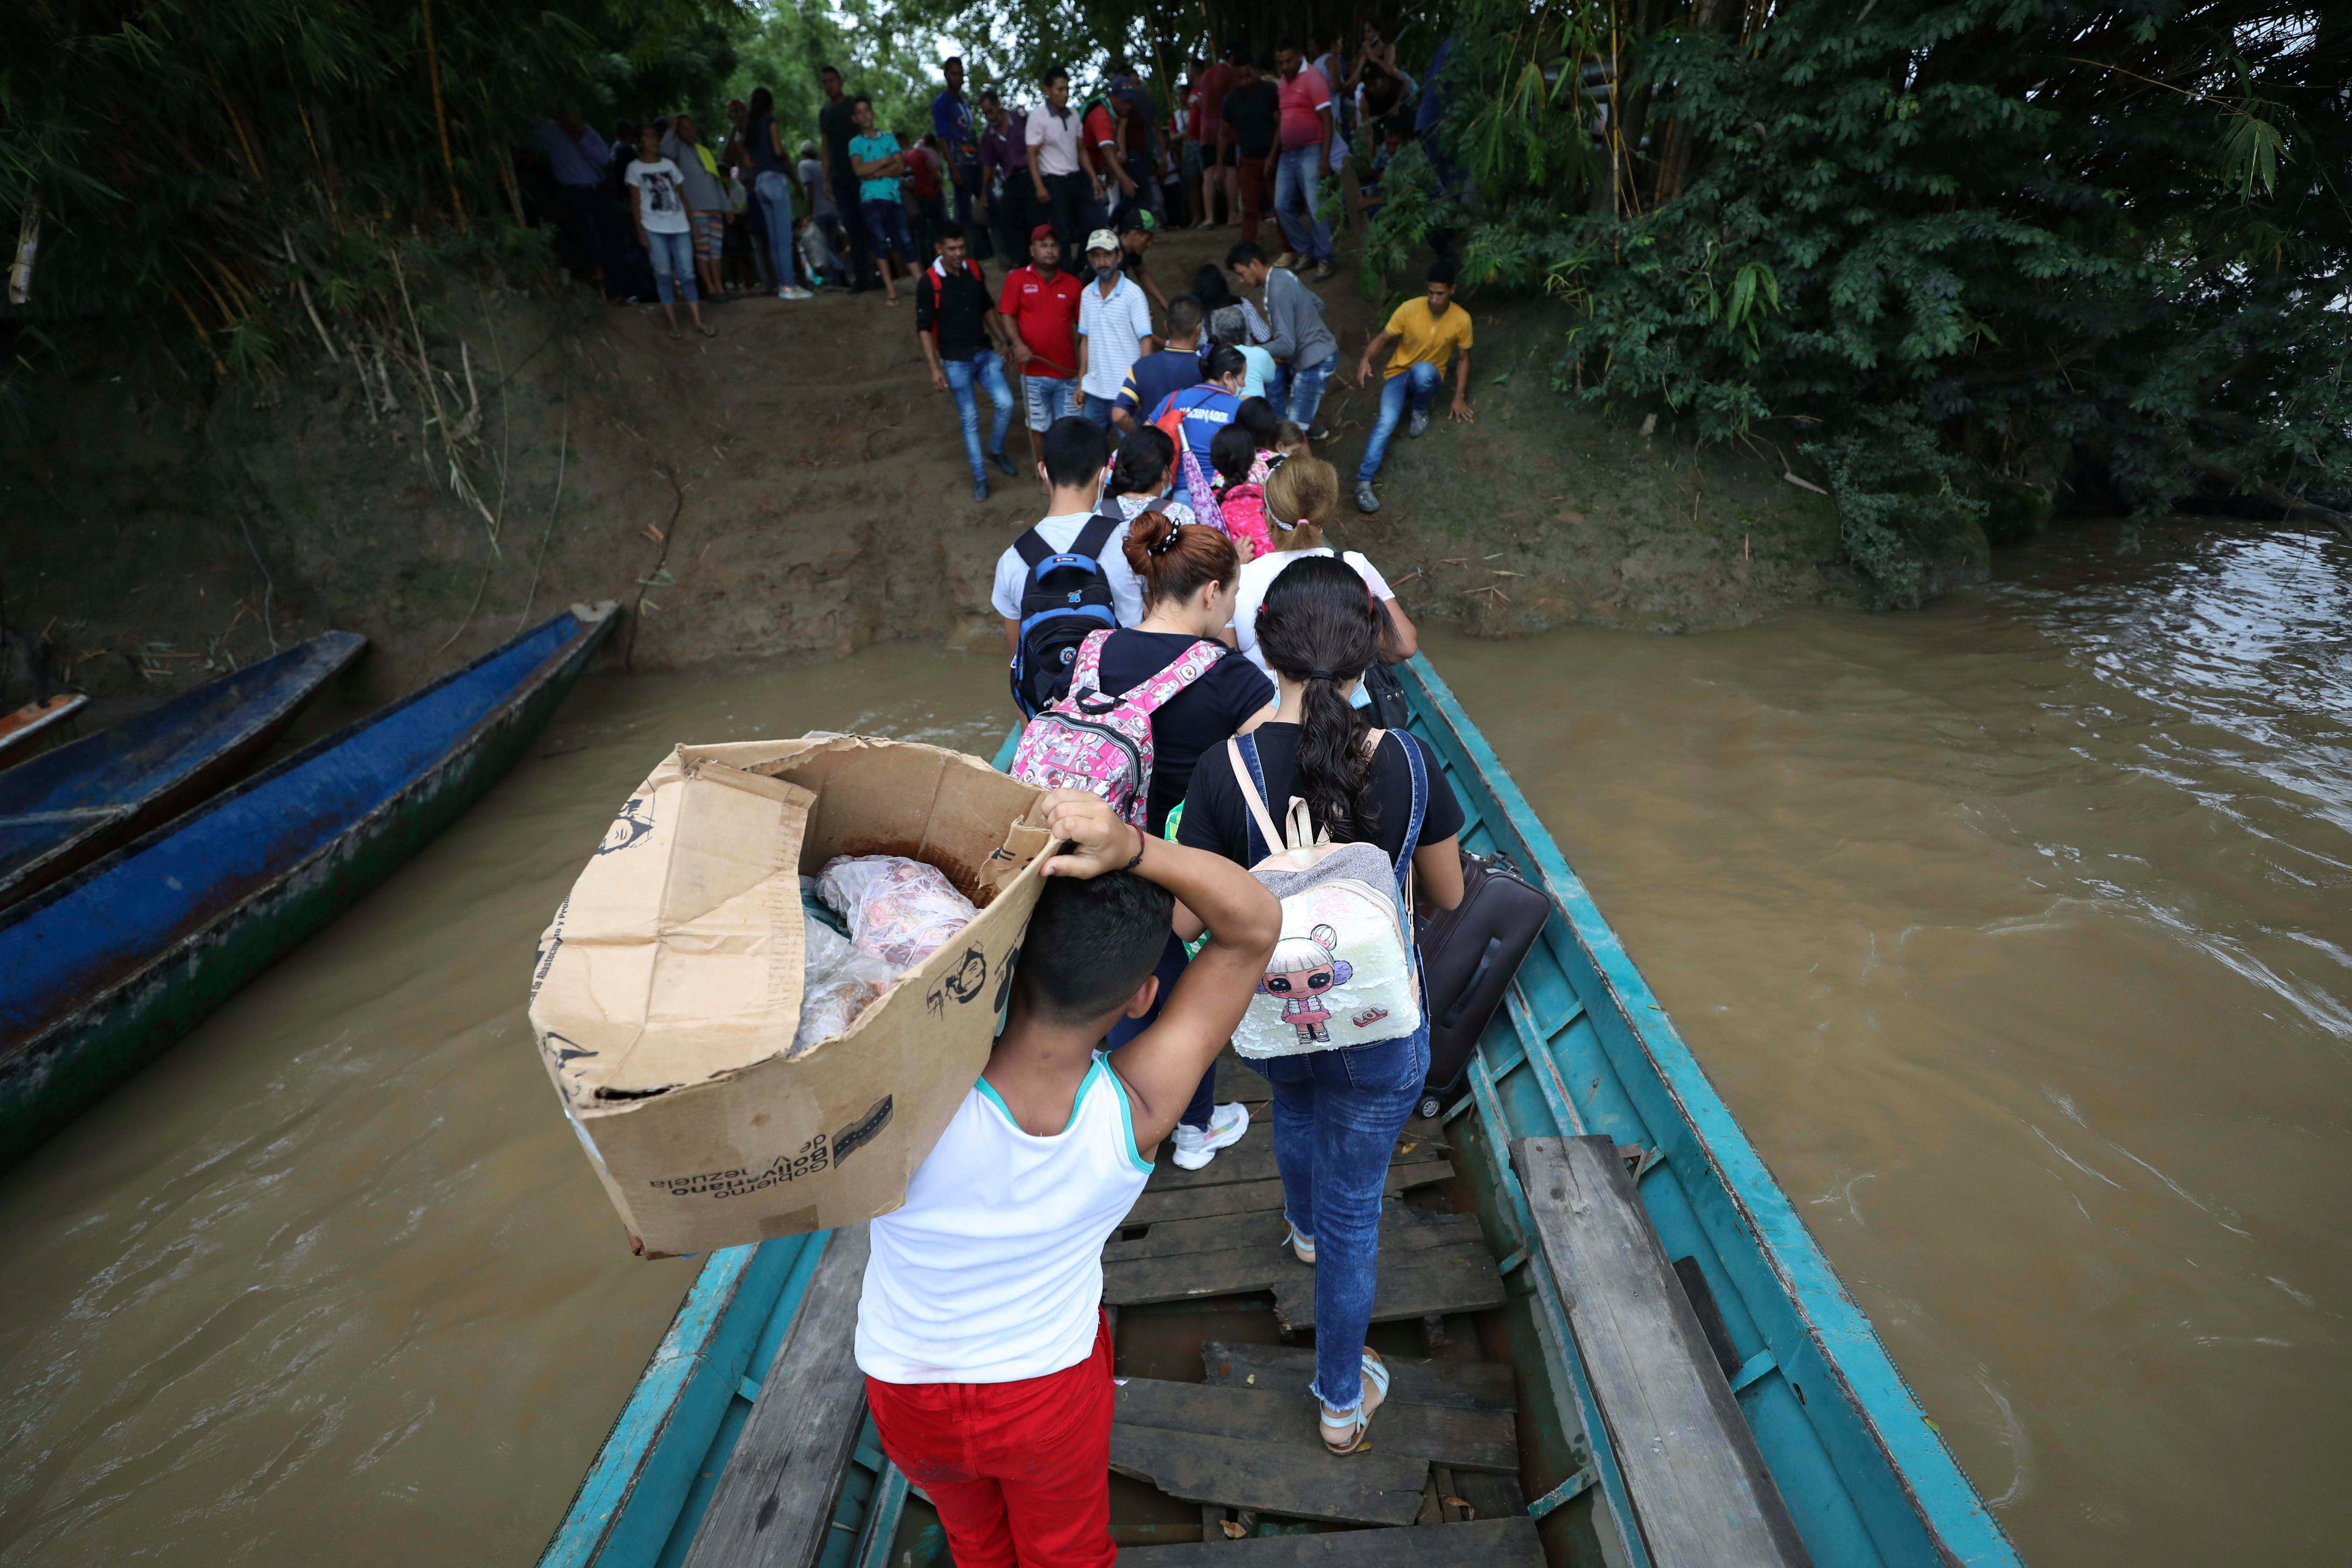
1957 265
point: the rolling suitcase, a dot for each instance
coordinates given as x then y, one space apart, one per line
1468 955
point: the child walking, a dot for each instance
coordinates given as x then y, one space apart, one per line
980 1332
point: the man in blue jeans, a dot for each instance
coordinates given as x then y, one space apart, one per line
1306 143
1305 346
961 336
1426 332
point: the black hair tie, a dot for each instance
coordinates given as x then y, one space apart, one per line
1163 544
1321 675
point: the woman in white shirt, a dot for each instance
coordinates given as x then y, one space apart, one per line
1302 497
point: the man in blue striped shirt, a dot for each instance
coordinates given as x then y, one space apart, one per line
1114 327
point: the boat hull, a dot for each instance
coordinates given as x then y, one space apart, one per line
233 931
68 807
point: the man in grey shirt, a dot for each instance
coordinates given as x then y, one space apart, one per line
1302 343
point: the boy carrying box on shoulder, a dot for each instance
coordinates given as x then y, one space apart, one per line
980 1331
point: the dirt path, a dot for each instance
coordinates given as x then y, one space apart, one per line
790 488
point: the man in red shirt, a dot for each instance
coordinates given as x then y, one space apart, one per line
927 193
1040 306
1218 158
1305 140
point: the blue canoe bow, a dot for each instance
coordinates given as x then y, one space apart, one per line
1582 1047
102 971
63 809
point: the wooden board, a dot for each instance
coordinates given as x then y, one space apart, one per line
1367 1487
775 1503
1467 1439
1266 1230
1457 1384
1699 1489
1248 1197
1429 1263
1484 1543
1251 1159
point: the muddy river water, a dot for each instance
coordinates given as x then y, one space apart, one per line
2018 932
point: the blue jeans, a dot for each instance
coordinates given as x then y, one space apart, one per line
1170 970
1307 391
1097 409
776 205
1297 183
985 369
1048 398
1418 381
1337 1115
672 253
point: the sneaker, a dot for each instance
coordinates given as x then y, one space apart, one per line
1320 433
794 293
1004 462
1288 258
1323 270
980 489
1418 425
1195 1147
1365 500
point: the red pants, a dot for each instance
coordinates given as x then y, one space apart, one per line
1257 185
1020 1472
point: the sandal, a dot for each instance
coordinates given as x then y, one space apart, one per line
1350 1434
1302 1247
707 330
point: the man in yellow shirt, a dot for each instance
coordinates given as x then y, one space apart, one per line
1426 333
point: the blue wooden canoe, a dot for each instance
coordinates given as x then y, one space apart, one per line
102 970
63 809
1582 1047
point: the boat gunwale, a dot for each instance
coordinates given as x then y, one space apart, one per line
1841 1333
257 727
576 647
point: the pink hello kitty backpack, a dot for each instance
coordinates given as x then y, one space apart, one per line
1102 745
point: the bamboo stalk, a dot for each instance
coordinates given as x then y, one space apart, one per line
441 115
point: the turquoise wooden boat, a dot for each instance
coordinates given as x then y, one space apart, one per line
1582 1047
102 970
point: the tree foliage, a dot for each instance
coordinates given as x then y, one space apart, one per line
1964 256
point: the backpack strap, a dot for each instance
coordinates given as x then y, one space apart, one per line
1244 751
1179 673
1085 674
1097 533
1032 547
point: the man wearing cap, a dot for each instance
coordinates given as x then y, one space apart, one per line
1114 327
1040 307
1136 227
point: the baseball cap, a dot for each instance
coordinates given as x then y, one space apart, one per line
1102 239
1042 231
1136 217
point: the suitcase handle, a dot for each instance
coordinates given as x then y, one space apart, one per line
1470 986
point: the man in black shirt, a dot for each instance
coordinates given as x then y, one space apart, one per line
834 127
963 337
1252 114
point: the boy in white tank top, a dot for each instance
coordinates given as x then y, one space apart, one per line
979 1328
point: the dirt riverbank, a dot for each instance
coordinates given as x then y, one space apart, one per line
792 487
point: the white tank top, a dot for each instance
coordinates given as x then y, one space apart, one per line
992 1271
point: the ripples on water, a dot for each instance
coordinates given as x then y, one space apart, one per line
2016 933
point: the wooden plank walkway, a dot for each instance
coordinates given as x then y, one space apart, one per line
1699 1484
1456 1385
1485 1543
773 1504
1467 1439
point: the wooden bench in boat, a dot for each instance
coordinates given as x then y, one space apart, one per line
1484 1543
773 1504
1701 1493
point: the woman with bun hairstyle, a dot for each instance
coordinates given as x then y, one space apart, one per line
1186 571
1337 1112
1141 473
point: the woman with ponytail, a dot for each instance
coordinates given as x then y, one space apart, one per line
1337 1112
1302 497
1186 571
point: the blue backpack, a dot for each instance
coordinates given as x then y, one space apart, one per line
1067 596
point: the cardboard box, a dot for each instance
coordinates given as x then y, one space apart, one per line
668 988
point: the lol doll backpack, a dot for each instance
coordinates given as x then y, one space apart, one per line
1344 973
